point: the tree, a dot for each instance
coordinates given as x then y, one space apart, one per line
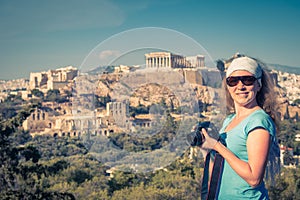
288 130
286 186
287 158
101 101
37 93
7 112
54 96
221 67
79 176
141 109
9 153
19 168
14 99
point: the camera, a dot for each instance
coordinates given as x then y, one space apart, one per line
196 138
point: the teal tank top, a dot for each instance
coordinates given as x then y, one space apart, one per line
232 186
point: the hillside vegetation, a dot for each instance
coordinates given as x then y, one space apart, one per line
46 167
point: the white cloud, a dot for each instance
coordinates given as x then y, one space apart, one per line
109 54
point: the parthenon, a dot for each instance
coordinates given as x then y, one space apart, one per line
170 60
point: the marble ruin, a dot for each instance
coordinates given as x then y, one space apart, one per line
170 60
52 79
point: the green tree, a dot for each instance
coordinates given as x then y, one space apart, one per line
7 111
12 98
55 96
20 171
122 180
286 185
288 130
52 95
79 176
37 93
101 101
287 158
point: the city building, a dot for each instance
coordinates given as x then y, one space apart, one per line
52 79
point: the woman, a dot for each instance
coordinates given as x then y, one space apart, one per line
250 131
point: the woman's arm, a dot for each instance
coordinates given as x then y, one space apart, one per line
258 143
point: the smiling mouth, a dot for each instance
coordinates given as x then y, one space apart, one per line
244 93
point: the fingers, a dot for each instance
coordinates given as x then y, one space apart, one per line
209 142
204 132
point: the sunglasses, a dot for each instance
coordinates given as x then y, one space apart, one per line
246 80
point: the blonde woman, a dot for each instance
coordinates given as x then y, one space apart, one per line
249 132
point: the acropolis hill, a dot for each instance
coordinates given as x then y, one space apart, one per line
100 103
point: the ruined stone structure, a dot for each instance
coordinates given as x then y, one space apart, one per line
196 61
147 121
40 120
47 120
81 125
52 79
170 60
190 67
119 111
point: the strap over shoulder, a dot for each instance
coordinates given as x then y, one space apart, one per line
210 188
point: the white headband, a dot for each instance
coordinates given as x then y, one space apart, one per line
247 64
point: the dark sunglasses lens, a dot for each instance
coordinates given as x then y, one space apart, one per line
248 80
232 81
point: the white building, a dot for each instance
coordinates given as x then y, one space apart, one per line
170 60
52 79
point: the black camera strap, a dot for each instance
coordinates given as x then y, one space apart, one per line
209 192
215 177
204 188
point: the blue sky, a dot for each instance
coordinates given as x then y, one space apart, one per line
40 35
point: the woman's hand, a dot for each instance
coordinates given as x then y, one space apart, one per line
209 142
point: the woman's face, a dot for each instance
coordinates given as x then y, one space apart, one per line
241 94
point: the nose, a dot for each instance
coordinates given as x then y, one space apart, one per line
241 85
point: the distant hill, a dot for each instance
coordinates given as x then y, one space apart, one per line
284 68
